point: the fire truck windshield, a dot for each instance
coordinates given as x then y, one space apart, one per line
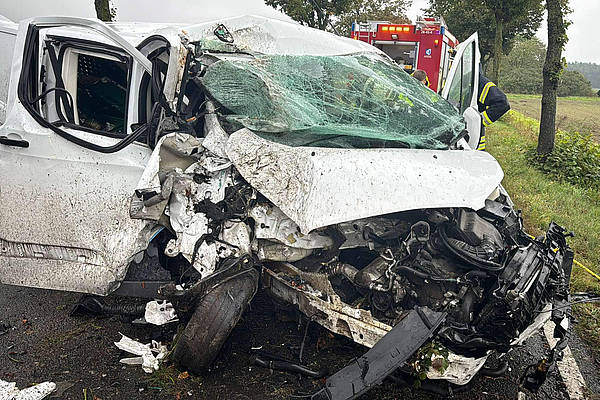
357 101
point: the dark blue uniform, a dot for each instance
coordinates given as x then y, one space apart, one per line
492 104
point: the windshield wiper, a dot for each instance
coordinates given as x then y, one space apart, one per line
351 140
327 137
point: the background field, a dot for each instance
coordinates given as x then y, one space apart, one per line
581 114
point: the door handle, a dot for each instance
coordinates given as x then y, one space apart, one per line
13 142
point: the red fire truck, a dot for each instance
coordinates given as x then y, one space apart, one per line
426 45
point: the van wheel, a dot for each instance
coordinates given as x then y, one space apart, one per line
215 316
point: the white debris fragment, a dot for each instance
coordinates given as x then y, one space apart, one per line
213 186
214 164
238 235
189 228
9 391
149 355
160 312
173 152
460 369
206 259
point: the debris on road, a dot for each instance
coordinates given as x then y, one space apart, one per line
9 391
149 355
183 375
4 328
276 363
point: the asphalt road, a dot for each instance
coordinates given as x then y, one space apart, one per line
44 343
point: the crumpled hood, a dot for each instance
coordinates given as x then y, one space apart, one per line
317 187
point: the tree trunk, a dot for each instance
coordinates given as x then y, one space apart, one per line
552 69
103 10
497 47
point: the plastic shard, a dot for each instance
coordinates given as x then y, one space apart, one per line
149 355
9 391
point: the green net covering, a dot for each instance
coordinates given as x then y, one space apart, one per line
355 101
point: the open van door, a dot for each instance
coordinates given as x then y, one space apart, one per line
462 85
70 157
8 35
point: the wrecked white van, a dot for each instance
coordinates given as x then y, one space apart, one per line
190 163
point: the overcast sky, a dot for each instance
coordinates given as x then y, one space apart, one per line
582 46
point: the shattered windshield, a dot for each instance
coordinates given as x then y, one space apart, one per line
357 101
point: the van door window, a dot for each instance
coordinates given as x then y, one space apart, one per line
81 87
462 85
455 93
97 83
467 81
102 93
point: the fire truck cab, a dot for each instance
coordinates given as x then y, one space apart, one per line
426 45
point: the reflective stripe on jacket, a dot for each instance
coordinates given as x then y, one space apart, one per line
491 101
492 104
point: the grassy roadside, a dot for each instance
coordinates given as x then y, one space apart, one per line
543 200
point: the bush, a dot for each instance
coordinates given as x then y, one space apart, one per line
575 159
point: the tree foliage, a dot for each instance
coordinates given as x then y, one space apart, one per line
516 18
322 14
521 69
104 11
573 83
374 10
590 70
314 13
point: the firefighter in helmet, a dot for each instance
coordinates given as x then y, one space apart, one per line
492 104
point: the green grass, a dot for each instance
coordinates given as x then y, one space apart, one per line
543 200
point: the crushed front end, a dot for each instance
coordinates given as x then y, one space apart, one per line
394 243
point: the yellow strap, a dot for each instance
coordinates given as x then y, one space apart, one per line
486 119
485 91
586 269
